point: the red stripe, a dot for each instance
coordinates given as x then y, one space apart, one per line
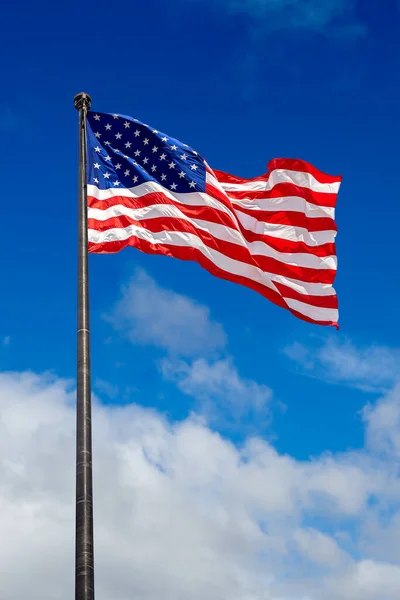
229 249
195 255
326 222
288 217
207 213
320 301
289 246
213 215
290 164
282 190
234 179
286 164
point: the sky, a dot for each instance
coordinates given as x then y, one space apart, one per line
239 453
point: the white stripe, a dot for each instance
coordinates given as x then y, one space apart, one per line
212 180
249 222
304 180
310 289
151 187
218 231
314 312
286 203
226 263
286 232
289 203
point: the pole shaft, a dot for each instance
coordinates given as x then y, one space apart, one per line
84 551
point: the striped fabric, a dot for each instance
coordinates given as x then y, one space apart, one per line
274 233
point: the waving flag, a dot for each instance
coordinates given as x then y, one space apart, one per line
274 233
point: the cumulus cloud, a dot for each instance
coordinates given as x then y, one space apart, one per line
383 424
150 314
373 368
218 387
196 360
183 514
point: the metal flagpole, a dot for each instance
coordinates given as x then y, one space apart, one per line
84 563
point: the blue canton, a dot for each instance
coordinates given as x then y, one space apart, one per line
124 153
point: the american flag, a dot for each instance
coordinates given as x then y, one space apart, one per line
274 233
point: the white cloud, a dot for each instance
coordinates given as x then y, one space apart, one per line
368 580
105 388
383 424
373 368
301 14
217 386
150 314
183 514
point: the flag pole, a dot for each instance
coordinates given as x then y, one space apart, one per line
84 562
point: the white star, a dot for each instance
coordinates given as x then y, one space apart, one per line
118 166
118 136
192 184
164 139
154 148
135 179
146 141
163 177
96 166
125 156
96 180
127 124
155 131
154 168
145 161
137 153
182 174
137 133
116 183
115 116
163 156
173 186
127 172
172 165
174 147
183 157
107 143
108 126
98 149
128 144
194 167
108 158
97 117
106 175
98 134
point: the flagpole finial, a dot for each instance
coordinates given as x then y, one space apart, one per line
82 100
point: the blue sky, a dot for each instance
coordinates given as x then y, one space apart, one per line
241 81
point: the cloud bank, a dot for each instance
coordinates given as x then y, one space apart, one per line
183 514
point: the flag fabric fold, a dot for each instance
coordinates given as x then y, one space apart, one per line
274 233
